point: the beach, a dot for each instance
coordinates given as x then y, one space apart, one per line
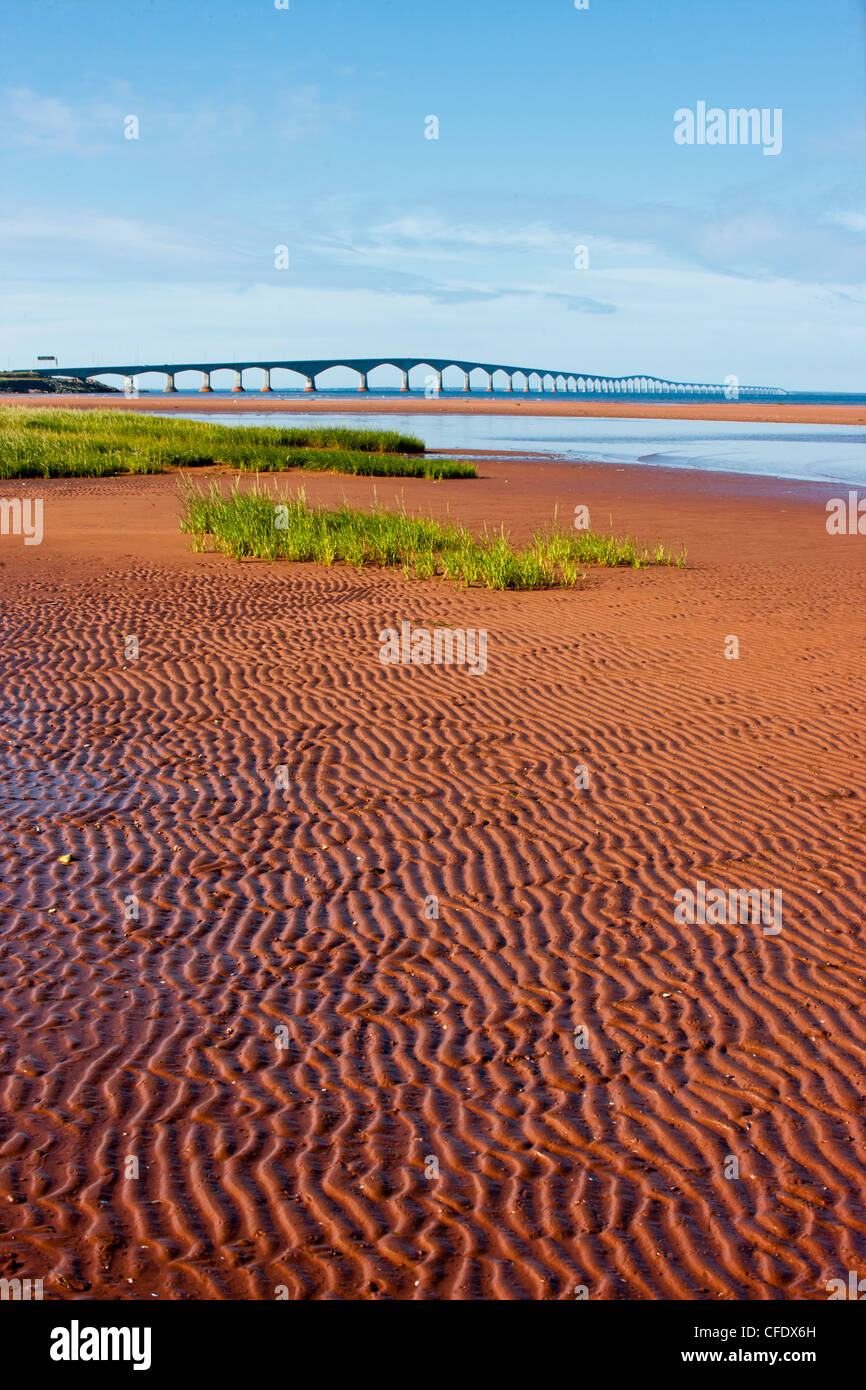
417 1017
549 404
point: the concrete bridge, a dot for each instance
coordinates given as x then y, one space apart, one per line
494 376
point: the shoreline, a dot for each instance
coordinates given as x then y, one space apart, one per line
568 408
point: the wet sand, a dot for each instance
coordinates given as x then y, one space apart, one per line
324 1088
476 404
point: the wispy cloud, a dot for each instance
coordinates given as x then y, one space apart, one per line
44 230
422 234
854 221
34 121
306 112
46 123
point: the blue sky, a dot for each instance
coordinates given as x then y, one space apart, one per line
305 127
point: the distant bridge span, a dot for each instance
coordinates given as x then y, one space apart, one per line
537 379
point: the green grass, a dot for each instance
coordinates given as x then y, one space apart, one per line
250 524
372 465
97 443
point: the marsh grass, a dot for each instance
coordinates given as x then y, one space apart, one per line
243 524
97 443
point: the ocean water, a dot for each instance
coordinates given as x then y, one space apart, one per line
812 453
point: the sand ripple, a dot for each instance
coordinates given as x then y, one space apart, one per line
416 1045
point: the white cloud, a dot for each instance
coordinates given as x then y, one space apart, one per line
39 122
33 121
427 233
103 234
304 113
854 221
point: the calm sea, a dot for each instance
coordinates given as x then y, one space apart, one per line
812 453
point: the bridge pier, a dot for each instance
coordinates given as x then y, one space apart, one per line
466 386
405 383
489 382
129 386
239 381
169 382
508 385
362 384
311 383
266 383
205 385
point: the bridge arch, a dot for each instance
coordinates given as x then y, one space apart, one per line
332 377
381 376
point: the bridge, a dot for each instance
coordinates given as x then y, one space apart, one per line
527 379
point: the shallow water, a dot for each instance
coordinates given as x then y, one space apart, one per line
813 453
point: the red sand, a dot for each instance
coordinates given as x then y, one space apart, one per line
474 404
412 1039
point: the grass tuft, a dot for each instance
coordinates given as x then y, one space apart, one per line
249 524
